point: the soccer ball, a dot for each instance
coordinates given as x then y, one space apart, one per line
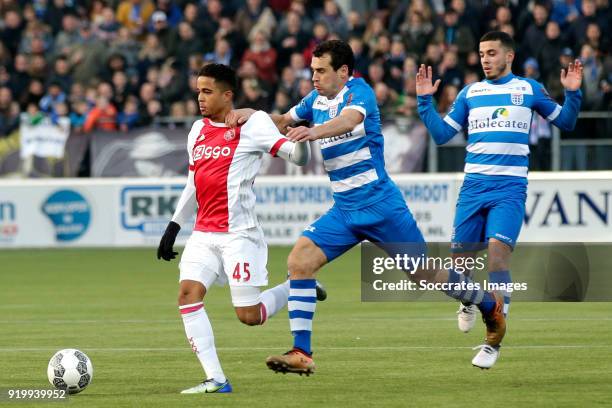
70 370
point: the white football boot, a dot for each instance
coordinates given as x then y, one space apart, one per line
209 386
486 357
466 317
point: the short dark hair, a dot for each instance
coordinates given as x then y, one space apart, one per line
222 74
340 53
500 36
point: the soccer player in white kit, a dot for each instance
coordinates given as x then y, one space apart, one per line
227 243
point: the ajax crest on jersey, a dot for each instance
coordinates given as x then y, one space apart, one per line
517 99
229 135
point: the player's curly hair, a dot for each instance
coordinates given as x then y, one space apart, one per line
340 53
504 38
222 74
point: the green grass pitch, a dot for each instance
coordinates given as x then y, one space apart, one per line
119 306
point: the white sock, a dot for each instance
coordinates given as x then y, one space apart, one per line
273 300
200 336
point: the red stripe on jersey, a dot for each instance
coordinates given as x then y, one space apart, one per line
212 158
191 167
277 146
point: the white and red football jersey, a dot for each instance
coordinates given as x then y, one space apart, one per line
225 162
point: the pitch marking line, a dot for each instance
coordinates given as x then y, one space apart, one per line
358 348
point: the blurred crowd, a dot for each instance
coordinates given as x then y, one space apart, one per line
117 65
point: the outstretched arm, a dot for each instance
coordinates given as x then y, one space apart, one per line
297 153
571 81
186 205
238 117
184 209
442 130
564 117
344 123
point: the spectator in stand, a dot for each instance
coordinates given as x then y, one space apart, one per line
61 73
386 99
374 29
594 39
320 33
394 63
304 88
576 32
548 53
167 35
10 34
33 94
255 14
564 12
9 112
417 31
262 55
68 37
188 44
452 34
593 74
107 28
503 16
290 37
80 109
227 31
122 89
362 61
171 11
222 54
449 70
103 116
356 24
535 35
253 96
172 83
152 54
129 117
376 74
134 15
54 95
332 16
88 57
468 16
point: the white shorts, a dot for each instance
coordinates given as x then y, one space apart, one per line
239 258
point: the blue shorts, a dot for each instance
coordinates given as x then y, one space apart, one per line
387 221
488 209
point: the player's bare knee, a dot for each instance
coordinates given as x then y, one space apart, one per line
300 268
190 293
251 316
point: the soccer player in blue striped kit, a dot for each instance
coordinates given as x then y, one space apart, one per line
497 113
368 205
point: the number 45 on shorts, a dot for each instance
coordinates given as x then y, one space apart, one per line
241 271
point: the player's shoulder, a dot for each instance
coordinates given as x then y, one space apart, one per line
196 127
359 86
531 85
473 89
258 120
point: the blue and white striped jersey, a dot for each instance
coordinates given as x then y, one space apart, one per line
354 161
497 115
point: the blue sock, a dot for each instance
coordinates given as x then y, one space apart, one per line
475 296
301 306
502 277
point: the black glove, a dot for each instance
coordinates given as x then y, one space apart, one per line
165 249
